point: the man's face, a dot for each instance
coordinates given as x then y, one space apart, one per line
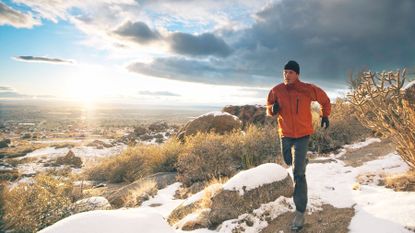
290 76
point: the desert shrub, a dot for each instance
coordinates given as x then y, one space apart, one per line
255 146
382 104
207 158
128 166
136 162
344 128
29 207
211 155
137 196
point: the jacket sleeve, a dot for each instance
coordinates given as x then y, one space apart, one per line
270 101
321 97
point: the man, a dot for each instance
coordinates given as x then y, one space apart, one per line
291 101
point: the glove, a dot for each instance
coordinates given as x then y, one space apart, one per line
275 108
325 121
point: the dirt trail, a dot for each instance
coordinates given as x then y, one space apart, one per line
357 157
329 220
332 219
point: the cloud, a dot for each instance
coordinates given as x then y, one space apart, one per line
158 93
43 59
327 38
199 45
10 94
199 71
5 88
10 16
138 32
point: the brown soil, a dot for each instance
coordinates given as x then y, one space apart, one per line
356 157
329 220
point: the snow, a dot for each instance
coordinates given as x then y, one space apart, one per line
408 85
219 113
96 201
362 144
252 178
377 209
164 200
112 221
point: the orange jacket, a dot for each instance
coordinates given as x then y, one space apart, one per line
294 116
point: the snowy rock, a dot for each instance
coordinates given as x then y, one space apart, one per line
91 203
258 185
112 221
220 122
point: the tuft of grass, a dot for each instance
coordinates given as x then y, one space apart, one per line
30 207
401 182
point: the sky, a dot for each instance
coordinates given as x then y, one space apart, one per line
195 52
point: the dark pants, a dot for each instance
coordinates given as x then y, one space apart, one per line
299 161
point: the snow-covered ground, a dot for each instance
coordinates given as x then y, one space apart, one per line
88 155
378 209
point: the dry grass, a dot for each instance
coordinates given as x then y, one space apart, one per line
137 196
137 162
401 182
31 207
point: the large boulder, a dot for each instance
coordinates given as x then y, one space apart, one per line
248 189
162 179
250 114
219 122
243 193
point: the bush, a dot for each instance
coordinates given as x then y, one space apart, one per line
137 162
29 207
383 105
207 158
344 129
211 155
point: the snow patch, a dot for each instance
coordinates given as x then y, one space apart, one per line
408 85
112 221
362 144
219 113
252 178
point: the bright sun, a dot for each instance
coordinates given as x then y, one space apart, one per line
88 85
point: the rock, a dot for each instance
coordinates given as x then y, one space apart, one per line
91 203
162 179
139 130
99 144
69 159
5 143
158 126
219 122
229 204
200 220
249 114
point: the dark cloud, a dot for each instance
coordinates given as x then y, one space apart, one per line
209 72
4 88
16 18
158 93
42 59
327 38
10 94
200 45
138 32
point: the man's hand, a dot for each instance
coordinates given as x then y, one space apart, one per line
275 108
325 122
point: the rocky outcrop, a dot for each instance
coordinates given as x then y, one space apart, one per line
218 122
250 114
243 193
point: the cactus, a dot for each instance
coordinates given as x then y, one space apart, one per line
383 105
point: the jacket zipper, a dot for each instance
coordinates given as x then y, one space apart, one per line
297 104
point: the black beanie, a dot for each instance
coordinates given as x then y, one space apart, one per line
292 65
